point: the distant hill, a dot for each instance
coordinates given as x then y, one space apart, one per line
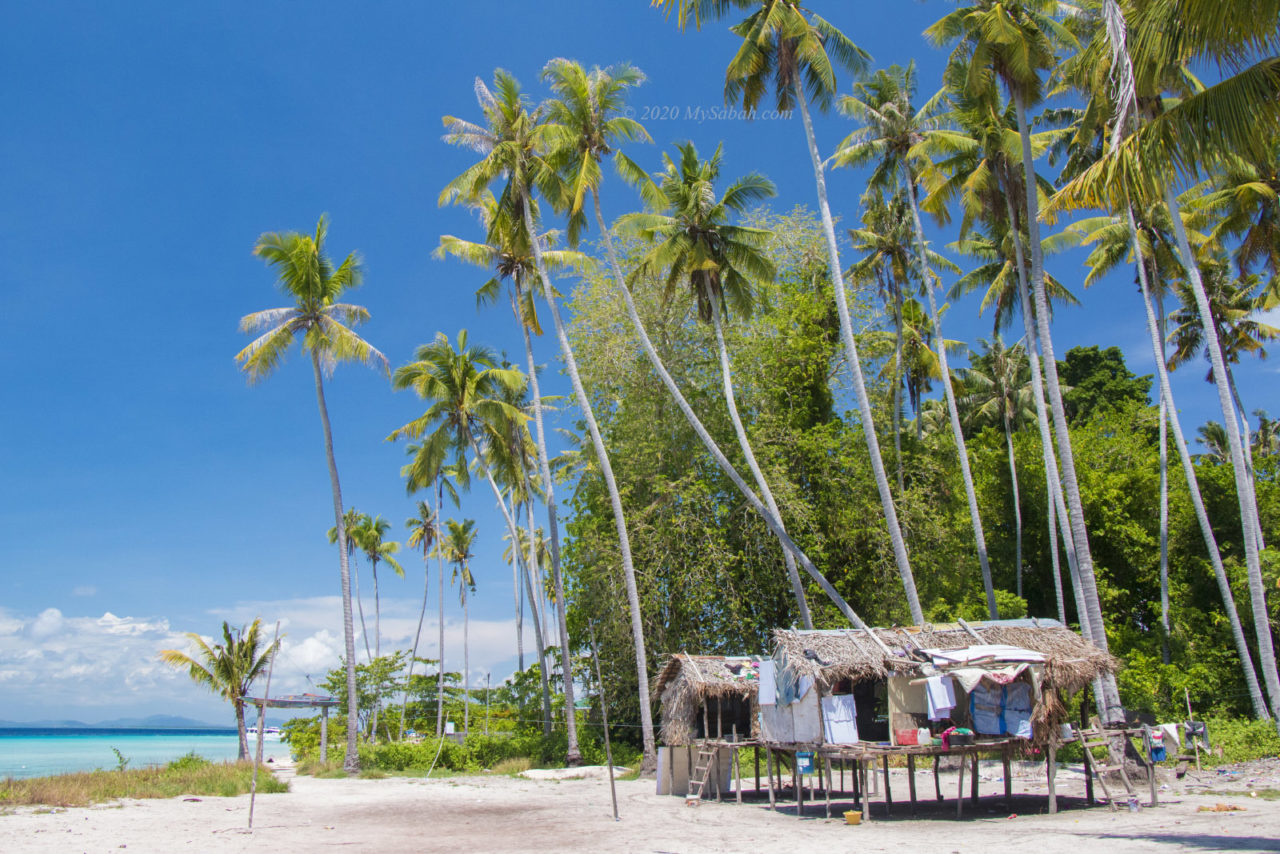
44 724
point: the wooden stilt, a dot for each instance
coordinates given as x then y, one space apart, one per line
768 761
888 795
755 755
827 762
1088 775
960 788
324 734
798 783
719 776
1051 771
866 800
857 780
1008 778
973 778
937 784
911 780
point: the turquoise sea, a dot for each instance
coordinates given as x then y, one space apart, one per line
39 752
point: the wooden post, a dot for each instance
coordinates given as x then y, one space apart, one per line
486 704
768 761
324 734
735 766
262 721
960 788
973 779
755 755
911 780
827 762
937 784
719 774
1088 773
888 795
1008 779
1195 743
604 714
797 783
866 801
857 780
1051 771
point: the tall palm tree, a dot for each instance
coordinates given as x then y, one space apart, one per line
585 128
891 129
509 253
512 142
228 668
323 325
457 546
795 52
351 525
696 243
422 535
370 537
1012 43
1000 395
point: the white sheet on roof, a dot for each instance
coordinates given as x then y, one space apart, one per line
983 652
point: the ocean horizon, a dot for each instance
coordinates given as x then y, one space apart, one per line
44 751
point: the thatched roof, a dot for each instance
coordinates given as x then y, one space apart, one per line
687 681
830 656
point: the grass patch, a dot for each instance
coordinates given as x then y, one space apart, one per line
514 765
182 777
372 774
1260 794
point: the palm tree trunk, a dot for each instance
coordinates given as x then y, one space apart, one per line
521 567
650 760
770 520
975 518
466 663
1113 711
897 382
241 730
1247 441
519 605
413 655
440 622
1164 481
573 756
1017 508
1051 510
364 630
1248 510
351 763
726 376
855 368
1193 487
377 642
539 618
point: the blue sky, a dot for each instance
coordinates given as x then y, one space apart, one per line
148 491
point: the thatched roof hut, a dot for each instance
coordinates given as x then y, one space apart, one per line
830 656
689 686
854 656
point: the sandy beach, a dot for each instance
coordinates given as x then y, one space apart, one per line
500 813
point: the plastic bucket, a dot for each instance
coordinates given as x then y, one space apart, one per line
853 817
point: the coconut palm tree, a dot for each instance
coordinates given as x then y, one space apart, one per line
695 243
891 129
227 668
323 325
509 253
370 534
794 52
998 385
512 144
351 524
422 535
1011 43
457 547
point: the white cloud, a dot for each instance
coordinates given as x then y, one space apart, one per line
55 665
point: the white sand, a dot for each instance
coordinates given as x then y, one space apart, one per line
498 813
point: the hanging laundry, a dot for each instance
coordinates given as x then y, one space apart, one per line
941 694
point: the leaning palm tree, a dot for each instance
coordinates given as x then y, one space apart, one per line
795 52
509 253
583 131
227 668
323 325
457 546
891 129
696 243
512 142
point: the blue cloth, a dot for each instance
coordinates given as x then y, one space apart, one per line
986 707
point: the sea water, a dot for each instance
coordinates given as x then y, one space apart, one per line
39 752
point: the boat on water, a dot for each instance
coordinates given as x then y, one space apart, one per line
271 733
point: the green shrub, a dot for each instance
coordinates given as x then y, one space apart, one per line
189 762
1241 740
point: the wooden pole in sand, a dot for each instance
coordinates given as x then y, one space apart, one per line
262 723
604 714
486 704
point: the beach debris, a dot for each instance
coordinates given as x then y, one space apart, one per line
1220 808
192 800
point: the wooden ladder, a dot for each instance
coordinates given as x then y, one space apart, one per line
700 774
1097 737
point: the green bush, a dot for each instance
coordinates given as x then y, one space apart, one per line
189 762
1241 740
